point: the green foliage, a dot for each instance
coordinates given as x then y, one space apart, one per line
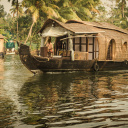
2 12
121 5
119 14
13 2
77 9
3 29
14 10
68 13
102 16
37 11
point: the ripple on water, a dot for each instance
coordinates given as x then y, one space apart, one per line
69 100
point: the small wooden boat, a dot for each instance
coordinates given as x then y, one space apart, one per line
79 46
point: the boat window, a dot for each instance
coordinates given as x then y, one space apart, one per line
125 46
96 48
90 39
77 44
80 44
83 44
93 48
90 48
77 40
87 44
111 50
124 50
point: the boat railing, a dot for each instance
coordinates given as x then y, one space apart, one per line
78 55
64 53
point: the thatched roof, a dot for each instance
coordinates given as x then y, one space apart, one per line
1 36
84 27
102 25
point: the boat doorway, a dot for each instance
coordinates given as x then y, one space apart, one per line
111 50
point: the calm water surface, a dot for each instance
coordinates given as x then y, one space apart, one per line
70 100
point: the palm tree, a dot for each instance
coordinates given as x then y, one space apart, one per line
16 3
14 10
35 7
60 9
77 9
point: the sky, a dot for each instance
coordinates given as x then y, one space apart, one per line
7 5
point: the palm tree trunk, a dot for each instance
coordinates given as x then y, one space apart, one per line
17 21
30 31
123 4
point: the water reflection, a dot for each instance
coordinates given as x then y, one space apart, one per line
68 100
10 69
1 69
76 100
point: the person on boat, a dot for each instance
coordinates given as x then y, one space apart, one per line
50 47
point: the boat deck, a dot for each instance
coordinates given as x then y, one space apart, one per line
51 58
69 58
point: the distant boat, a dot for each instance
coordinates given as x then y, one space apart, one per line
10 48
79 46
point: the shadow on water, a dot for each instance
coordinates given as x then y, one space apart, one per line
71 100
76 100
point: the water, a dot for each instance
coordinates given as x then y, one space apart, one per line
69 100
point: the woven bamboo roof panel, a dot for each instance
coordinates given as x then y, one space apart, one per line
102 25
79 28
85 26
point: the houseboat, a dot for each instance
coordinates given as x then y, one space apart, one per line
78 46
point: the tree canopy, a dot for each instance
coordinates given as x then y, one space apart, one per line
28 16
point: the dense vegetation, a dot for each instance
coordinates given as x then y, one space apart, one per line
26 17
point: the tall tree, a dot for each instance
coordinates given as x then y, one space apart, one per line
117 16
122 5
60 9
16 2
34 8
2 12
78 9
14 10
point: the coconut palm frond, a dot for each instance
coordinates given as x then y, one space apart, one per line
66 3
35 15
51 13
54 6
84 12
32 9
68 14
117 1
94 9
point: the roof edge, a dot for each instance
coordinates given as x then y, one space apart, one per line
98 26
60 23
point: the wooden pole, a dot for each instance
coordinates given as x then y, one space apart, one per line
71 47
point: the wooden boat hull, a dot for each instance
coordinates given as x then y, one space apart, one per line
112 65
52 65
34 63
